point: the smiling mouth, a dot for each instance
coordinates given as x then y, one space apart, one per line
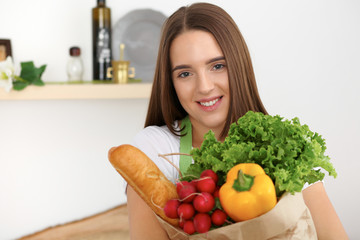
210 103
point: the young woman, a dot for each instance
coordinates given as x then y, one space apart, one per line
204 71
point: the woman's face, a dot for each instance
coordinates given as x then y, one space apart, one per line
200 79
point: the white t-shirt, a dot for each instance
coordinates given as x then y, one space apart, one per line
154 140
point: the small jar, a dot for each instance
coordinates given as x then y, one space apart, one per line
74 66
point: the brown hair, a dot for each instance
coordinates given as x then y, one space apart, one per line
164 106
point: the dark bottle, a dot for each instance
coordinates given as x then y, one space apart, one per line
101 40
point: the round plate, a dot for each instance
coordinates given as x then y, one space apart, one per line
140 31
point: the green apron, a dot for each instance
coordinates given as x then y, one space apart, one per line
185 144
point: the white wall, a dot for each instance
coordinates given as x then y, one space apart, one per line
53 154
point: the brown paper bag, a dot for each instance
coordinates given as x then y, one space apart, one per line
289 219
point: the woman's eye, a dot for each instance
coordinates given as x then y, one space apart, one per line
184 74
219 66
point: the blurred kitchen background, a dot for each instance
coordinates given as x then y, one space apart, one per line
53 153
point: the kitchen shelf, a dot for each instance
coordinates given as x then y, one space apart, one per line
80 91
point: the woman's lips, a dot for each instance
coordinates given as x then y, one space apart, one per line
209 105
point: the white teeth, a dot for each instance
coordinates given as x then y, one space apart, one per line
208 104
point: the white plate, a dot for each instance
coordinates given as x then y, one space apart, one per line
140 31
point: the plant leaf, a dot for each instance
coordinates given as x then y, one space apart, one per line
30 75
27 71
18 85
39 71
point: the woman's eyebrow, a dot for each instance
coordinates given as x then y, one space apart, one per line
215 59
183 66
180 67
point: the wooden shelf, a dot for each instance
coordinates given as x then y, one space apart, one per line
80 91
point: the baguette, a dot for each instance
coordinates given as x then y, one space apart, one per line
142 174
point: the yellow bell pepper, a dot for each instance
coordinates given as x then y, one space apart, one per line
248 192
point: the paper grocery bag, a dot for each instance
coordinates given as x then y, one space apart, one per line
289 219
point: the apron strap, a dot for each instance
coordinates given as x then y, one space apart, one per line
185 144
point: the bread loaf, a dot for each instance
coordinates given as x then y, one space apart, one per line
142 174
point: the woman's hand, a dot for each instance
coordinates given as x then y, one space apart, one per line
142 220
327 223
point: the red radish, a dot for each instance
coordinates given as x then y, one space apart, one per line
204 202
189 227
193 182
210 173
186 211
182 222
218 217
206 184
202 222
216 193
179 185
185 193
171 207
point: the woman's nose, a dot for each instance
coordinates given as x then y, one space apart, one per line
205 83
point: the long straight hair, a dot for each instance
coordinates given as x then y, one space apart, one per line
164 106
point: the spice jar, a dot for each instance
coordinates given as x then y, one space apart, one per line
74 66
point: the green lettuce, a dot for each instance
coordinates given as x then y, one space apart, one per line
289 152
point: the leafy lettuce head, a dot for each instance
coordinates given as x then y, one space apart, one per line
289 152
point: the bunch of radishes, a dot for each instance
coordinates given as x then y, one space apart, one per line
196 206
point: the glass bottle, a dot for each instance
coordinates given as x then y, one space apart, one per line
101 40
74 66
